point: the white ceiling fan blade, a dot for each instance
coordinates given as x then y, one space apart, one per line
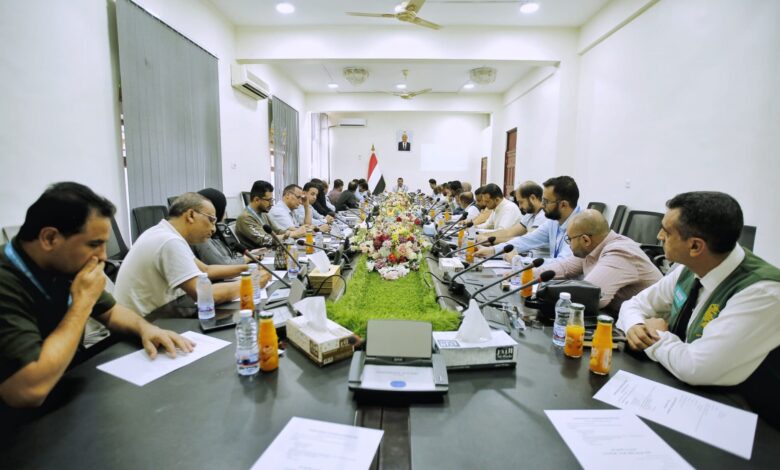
371 15
414 5
419 92
421 22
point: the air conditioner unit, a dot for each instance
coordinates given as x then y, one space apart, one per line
352 122
248 83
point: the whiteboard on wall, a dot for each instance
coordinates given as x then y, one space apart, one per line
434 157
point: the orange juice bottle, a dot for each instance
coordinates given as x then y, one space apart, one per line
432 214
575 331
309 241
447 216
526 277
601 351
269 343
461 235
245 291
470 250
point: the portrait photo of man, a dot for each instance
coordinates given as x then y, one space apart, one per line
404 143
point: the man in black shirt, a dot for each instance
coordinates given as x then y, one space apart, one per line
347 199
51 282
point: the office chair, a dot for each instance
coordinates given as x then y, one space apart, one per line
171 199
10 231
245 196
116 250
617 219
748 236
145 217
643 227
599 206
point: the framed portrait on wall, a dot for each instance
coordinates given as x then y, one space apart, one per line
404 139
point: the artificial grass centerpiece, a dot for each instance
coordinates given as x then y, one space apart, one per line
408 298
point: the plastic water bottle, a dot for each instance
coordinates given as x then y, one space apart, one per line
292 267
517 264
255 272
562 314
318 239
247 350
205 297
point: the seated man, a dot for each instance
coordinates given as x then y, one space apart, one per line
347 200
467 204
484 212
249 224
559 202
335 193
715 320
362 193
613 262
400 187
284 218
311 190
529 195
52 281
505 213
161 267
432 184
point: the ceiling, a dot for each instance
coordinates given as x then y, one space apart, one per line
570 13
444 76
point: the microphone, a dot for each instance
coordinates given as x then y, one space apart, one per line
535 264
303 243
249 255
445 231
489 241
270 231
317 229
544 277
506 249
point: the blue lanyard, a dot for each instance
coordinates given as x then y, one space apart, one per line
17 261
558 242
252 211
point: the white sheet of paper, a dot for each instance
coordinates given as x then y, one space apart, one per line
280 274
320 260
397 378
613 439
722 426
497 263
304 444
281 293
138 369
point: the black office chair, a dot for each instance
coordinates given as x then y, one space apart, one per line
643 227
748 236
145 217
599 206
617 219
10 231
171 199
116 250
245 196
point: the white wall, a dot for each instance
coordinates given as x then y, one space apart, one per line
455 132
58 118
685 98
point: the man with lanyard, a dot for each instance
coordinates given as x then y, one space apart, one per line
52 281
559 202
715 319
249 225
284 218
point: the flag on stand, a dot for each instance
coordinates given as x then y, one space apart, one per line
376 180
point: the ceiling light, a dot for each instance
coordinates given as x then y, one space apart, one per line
468 86
355 75
529 7
483 75
333 86
287 8
401 86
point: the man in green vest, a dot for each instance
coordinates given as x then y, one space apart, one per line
715 319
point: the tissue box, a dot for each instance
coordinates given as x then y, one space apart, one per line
323 282
322 347
450 265
499 351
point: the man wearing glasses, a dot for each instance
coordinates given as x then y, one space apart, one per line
161 266
284 217
613 262
559 202
249 225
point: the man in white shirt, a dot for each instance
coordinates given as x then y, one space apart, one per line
529 195
432 184
161 265
715 320
400 187
285 219
505 213
466 201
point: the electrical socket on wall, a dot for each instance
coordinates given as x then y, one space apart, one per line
628 184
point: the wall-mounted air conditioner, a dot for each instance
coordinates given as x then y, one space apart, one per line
248 83
352 122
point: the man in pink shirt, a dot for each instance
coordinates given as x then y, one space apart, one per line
613 262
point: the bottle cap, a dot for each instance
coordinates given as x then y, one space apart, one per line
246 273
604 319
576 306
266 314
245 314
252 266
565 296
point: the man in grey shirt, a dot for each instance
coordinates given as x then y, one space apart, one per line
283 217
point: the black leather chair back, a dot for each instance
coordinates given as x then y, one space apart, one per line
145 217
599 206
643 227
617 219
748 236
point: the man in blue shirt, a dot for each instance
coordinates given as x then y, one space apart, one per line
559 202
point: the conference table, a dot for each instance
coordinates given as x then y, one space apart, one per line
205 416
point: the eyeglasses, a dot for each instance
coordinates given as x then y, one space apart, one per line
267 199
212 219
568 239
547 201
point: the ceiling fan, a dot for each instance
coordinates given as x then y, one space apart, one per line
407 11
407 95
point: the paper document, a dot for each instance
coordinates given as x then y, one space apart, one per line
307 444
399 378
137 368
281 293
497 263
722 426
602 439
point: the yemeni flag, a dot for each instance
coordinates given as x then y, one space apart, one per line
375 178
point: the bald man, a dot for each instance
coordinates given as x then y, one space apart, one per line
613 262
